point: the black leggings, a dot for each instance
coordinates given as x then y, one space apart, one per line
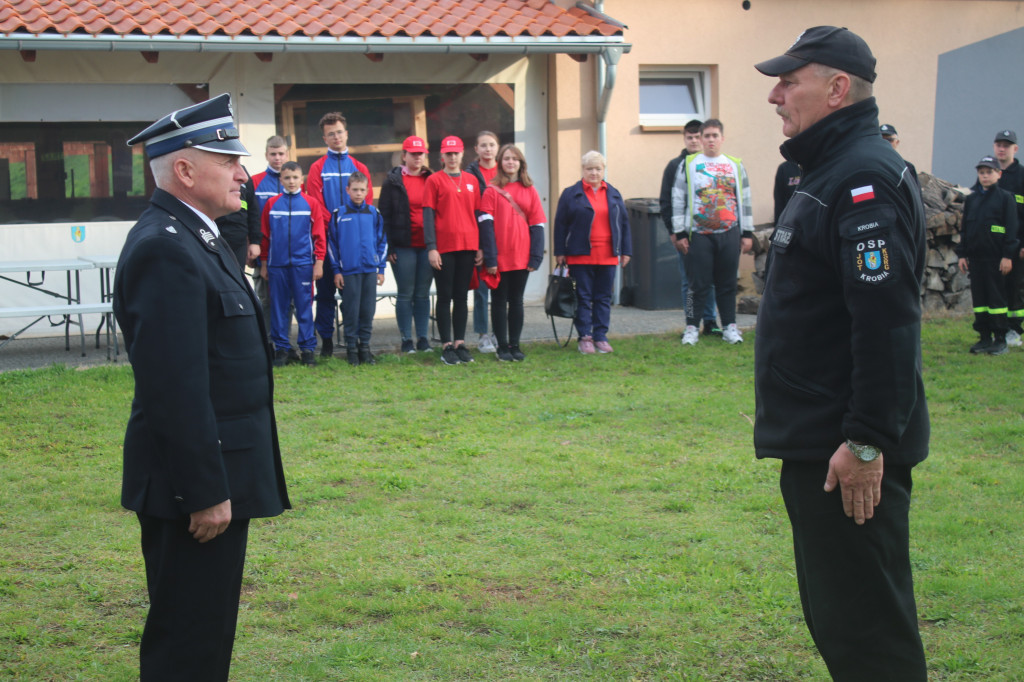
507 307
452 282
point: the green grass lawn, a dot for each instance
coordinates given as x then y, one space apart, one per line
572 517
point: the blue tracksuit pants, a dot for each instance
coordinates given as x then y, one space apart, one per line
291 283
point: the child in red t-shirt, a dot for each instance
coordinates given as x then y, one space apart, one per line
452 238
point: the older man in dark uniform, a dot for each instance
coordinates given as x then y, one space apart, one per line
201 454
840 398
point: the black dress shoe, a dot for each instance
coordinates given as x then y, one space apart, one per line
327 348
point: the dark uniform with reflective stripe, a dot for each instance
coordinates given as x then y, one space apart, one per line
989 234
838 357
1012 180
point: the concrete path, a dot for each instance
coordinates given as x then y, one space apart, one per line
36 352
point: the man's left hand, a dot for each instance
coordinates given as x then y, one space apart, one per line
860 483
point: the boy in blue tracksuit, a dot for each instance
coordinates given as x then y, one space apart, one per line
292 255
357 252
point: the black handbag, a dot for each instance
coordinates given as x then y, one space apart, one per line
560 299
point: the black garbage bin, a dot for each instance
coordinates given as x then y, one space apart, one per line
651 280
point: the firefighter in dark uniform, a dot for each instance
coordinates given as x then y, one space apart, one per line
241 228
201 453
1004 148
838 385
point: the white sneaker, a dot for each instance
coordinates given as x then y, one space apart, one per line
731 334
1013 338
691 336
486 344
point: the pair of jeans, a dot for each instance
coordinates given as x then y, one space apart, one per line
358 304
480 296
413 276
452 282
684 287
712 262
507 308
594 285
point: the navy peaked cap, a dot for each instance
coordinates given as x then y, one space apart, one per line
209 126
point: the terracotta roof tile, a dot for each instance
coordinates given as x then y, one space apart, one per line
310 18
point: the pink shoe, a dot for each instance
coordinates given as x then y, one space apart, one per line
603 346
586 345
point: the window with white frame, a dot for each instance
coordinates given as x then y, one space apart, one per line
671 96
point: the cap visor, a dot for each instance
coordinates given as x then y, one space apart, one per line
233 147
780 65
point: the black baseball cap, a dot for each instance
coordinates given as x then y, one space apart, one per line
1006 136
832 46
988 162
886 129
209 126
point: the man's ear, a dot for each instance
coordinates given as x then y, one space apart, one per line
838 89
184 171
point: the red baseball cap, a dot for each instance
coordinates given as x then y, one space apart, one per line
451 144
414 144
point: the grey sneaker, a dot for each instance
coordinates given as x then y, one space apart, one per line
486 344
408 346
423 345
691 336
731 334
1013 338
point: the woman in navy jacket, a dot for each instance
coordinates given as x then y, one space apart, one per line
592 235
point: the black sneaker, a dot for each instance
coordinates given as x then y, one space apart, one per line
365 356
998 347
710 327
982 346
503 354
423 345
408 346
309 358
463 354
352 355
327 348
449 356
280 357
517 355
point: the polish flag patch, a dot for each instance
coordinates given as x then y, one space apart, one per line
862 193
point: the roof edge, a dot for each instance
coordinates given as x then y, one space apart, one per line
378 45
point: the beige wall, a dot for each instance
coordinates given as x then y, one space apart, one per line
906 37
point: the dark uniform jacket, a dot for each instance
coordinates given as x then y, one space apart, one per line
838 350
202 426
989 230
242 227
668 180
1012 180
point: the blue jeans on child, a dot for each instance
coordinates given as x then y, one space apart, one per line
480 301
358 304
413 275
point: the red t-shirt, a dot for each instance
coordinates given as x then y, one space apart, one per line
511 232
454 201
415 186
601 252
488 173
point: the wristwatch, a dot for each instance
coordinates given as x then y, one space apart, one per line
863 451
